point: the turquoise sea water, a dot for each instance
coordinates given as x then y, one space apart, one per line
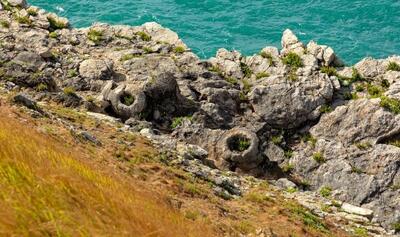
354 29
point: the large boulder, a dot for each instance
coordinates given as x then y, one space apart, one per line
18 3
325 54
285 104
360 120
228 62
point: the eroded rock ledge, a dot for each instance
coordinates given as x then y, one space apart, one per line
295 113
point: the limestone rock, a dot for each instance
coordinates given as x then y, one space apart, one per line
96 69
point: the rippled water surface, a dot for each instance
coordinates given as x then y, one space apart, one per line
355 29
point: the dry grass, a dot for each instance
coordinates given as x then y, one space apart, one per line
47 190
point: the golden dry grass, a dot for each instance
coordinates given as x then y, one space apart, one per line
46 190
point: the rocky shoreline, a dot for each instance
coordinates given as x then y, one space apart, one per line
327 134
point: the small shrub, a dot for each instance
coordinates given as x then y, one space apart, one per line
72 73
385 83
147 50
360 232
292 75
318 157
69 91
268 56
393 66
245 69
309 138
277 139
309 218
53 35
144 36
243 97
288 168
41 87
350 96
127 99
292 60
390 104
23 20
246 86
96 36
356 170
374 91
179 50
244 144
288 154
396 227
360 88
325 109
231 80
330 71
291 190
395 143
325 192
4 24
262 75
179 121
56 24
363 145
127 57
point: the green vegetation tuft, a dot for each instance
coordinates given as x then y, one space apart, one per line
245 69
396 227
41 87
53 35
231 80
262 75
127 99
292 60
243 144
4 24
56 24
374 91
360 232
69 91
325 109
325 191
144 36
179 49
350 96
288 168
96 36
330 71
308 218
390 104
130 56
32 12
393 66
177 121
319 158
363 145
23 20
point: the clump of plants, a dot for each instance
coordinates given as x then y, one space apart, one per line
127 99
4 24
129 56
72 73
325 109
231 80
330 71
23 20
32 11
144 36
390 104
179 50
262 75
239 143
393 66
53 35
245 69
41 87
374 91
69 91
293 60
319 158
350 96
177 121
56 24
96 36
325 191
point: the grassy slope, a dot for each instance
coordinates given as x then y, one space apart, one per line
47 190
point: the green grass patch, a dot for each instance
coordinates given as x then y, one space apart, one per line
96 36
325 191
247 72
390 104
53 35
319 158
4 24
262 75
393 66
144 36
56 24
179 50
293 60
330 71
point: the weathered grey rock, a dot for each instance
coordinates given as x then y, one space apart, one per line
18 3
324 54
189 151
159 33
357 210
285 183
275 153
360 120
239 148
29 60
229 63
370 68
96 69
118 96
28 102
290 43
286 104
